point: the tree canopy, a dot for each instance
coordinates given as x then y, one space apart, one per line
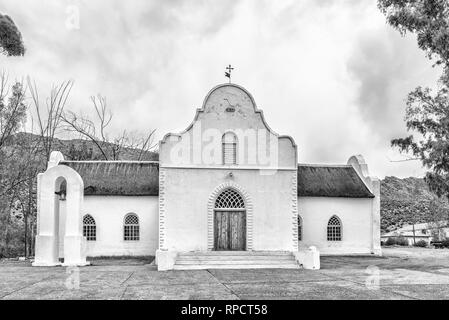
428 19
427 111
11 42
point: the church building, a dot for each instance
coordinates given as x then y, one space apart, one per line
227 192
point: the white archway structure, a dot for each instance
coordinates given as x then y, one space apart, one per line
47 238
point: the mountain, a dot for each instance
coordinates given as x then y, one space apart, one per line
80 149
403 201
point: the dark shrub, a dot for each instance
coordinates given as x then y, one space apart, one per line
390 242
445 243
421 243
401 241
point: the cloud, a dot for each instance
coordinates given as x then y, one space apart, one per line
387 67
331 74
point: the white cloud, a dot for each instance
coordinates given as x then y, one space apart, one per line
309 64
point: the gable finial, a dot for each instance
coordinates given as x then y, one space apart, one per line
228 73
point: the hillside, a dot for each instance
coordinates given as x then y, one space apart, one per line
403 200
75 149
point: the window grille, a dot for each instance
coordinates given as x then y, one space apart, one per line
229 199
131 228
334 229
89 228
229 148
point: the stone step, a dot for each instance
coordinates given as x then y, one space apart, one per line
234 262
234 266
234 258
236 253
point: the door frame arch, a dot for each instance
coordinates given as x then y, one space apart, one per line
211 209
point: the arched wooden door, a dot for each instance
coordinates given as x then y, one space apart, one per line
229 221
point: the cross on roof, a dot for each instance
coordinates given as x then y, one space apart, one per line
228 73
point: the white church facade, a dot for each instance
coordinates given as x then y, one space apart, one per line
227 186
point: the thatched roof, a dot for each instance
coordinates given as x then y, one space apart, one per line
142 179
117 177
331 181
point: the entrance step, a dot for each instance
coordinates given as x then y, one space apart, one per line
235 260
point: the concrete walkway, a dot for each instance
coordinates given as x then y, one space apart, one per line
410 273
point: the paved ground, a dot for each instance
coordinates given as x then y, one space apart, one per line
403 273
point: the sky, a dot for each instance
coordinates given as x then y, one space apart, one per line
330 73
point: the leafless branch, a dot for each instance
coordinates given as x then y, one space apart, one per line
49 121
404 160
96 131
11 116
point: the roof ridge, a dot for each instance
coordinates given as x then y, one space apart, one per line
108 161
324 165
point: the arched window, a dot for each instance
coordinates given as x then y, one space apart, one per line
334 229
131 228
229 199
229 148
299 228
89 228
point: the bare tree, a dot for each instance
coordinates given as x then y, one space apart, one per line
49 118
96 131
23 155
35 151
13 111
12 117
12 177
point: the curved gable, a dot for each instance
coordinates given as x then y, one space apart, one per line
228 108
225 96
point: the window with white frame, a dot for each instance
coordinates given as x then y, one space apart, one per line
131 230
89 228
334 229
229 148
299 228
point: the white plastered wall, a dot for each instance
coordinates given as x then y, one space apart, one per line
360 218
187 193
109 213
355 215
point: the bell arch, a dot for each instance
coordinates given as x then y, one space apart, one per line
211 207
47 238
